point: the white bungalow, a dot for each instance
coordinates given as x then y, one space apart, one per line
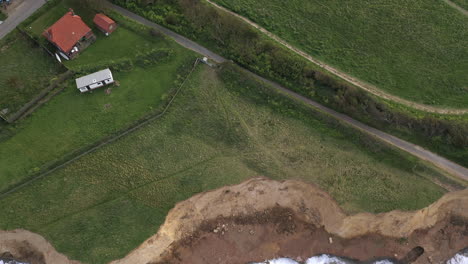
94 80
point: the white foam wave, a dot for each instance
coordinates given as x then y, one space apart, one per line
325 259
278 261
459 259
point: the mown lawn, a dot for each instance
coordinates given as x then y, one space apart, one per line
73 121
121 44
413 49
25 70
222 129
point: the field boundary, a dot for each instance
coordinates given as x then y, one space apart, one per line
137 125
19 114
11 118
24 32
346 77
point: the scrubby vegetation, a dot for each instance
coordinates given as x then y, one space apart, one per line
3 16
25 71
223 128
234 39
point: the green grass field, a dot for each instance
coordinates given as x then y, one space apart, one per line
413 49
461 3
73 121
25 71
222 129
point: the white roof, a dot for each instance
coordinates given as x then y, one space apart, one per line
93 78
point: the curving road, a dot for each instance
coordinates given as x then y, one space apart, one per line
19 14
447 165
359 83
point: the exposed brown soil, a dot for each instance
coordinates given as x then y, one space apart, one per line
278 232
263 219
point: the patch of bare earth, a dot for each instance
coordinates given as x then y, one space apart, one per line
28 247
264 219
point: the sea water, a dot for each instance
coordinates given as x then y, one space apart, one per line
460 258
11 262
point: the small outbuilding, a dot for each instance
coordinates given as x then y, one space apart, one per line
105 24
95 80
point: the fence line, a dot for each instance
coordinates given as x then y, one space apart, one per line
142 122
15 116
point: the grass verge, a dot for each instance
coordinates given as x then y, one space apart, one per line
234 39
223 128
410 49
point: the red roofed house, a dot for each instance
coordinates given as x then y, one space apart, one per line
105 24
70 34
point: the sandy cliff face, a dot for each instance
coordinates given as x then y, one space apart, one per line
262 219
310 206
29 247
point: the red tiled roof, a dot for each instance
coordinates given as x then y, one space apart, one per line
103 21
67 31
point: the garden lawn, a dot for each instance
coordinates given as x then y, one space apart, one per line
74 121
56 11
26 70
121 44
413 49
222 129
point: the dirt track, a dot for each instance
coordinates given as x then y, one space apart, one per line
457 7
359 83
413 149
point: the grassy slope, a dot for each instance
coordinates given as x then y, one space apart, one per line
461 3
413 49
28 65
218 132
72 120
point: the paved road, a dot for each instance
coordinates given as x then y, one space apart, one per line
178 38
19 14
413 149
359 83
